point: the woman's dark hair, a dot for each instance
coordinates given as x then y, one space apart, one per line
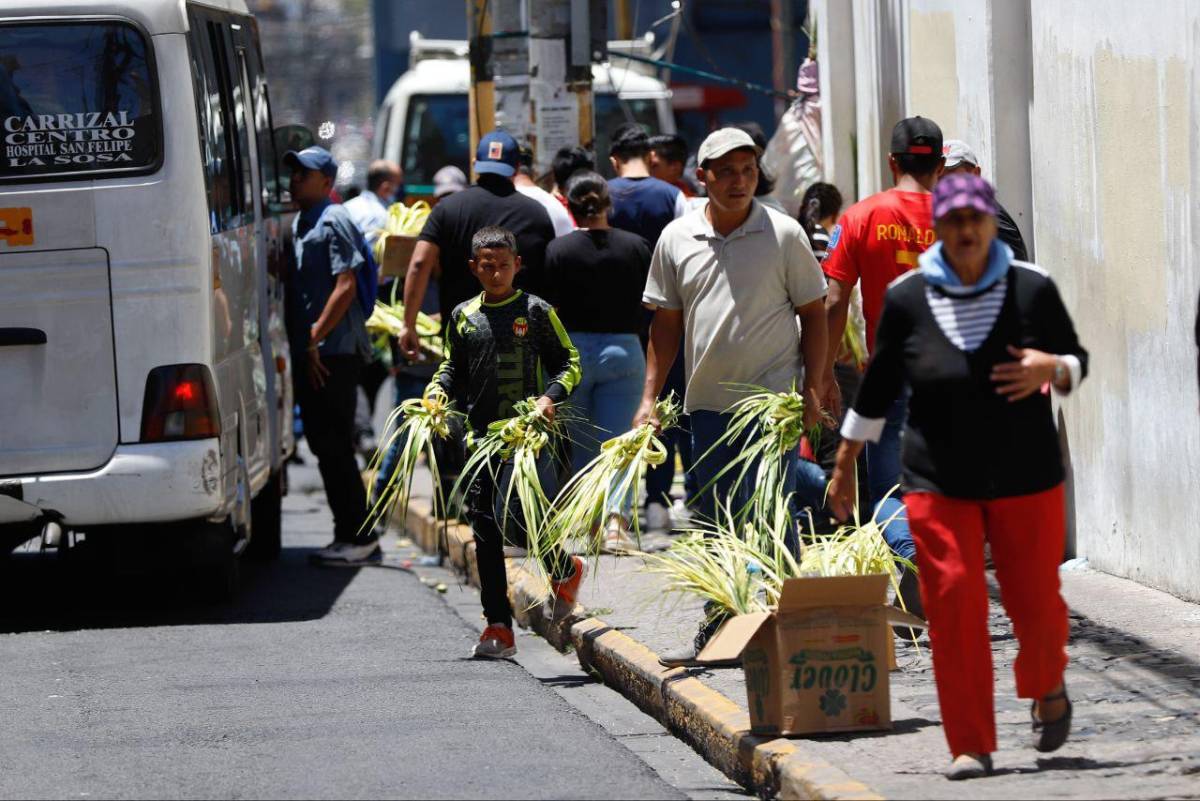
820 201
587 195
568 161
766 181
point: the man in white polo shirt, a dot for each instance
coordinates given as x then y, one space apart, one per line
731 277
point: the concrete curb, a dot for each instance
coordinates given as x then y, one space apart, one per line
712 724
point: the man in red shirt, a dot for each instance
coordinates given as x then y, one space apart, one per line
876 241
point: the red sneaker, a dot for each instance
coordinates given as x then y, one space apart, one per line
496 642
566 591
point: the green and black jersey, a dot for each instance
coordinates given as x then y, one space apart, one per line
500 353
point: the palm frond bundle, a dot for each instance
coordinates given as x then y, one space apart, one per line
518 442
616 474
387 320
857 548
739 564
716 569
766 426
414 425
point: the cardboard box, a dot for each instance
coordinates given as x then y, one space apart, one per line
820 661
397 252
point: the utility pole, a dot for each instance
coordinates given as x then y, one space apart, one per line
624 20
783 47
531 72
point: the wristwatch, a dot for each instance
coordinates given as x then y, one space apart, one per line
1061 373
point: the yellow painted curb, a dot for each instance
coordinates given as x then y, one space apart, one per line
704 718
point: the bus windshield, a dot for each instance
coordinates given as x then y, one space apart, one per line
76 99
437 126
436 135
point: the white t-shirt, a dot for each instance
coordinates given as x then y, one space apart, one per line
368 213
739 296
554 207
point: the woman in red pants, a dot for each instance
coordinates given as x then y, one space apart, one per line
979 338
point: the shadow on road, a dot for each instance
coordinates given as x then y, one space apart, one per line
40 592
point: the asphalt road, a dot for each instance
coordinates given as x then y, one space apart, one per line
314 683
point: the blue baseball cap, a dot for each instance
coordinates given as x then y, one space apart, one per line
312 158
498 153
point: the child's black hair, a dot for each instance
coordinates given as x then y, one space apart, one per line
821 200
493 237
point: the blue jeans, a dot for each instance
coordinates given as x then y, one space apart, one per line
804 481
883 473
808 489
407 386
609 391
661 478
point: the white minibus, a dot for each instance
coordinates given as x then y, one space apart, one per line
145 379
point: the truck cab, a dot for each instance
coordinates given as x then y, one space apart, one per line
424 125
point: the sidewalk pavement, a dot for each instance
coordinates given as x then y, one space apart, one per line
1134 677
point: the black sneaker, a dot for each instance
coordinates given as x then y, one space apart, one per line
686 657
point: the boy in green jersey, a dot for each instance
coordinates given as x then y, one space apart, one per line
503 346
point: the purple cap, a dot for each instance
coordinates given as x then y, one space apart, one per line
963 191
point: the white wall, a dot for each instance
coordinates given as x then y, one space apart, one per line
1113 131
835 54
969 71
879 87
1084 112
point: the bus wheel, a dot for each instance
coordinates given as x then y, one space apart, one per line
266 512
212 556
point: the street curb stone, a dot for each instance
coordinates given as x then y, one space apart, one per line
708 721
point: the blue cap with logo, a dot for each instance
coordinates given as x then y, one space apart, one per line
312 158
498 153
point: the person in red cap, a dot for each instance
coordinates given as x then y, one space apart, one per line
978 337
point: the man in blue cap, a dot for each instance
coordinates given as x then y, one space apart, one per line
329 344
446 238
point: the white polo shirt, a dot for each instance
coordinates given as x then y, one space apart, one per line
739 296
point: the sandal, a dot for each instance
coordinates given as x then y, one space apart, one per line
1050 735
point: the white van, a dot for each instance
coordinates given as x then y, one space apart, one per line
424 121
144 369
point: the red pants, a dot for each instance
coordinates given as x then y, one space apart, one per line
1027 535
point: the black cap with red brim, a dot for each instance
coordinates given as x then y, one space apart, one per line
916 136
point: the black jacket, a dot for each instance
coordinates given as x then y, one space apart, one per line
1008 233
498 354
962 439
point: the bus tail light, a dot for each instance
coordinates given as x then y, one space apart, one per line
180 404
